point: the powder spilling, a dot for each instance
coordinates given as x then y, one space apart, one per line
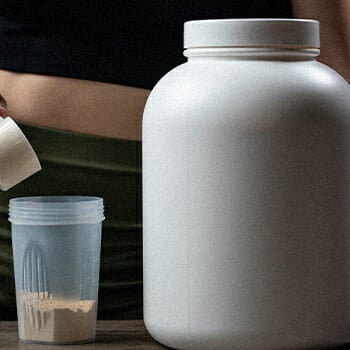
43 318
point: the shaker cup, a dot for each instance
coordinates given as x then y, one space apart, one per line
56 247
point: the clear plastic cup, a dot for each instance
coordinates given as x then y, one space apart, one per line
56 247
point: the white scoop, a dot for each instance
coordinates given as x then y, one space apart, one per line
18 160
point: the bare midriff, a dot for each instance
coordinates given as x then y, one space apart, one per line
84 106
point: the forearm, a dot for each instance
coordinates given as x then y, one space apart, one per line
334 17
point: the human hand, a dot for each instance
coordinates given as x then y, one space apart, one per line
3 107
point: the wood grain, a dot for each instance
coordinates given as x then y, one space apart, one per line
119 335
111 335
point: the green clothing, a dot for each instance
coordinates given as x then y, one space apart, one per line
80 164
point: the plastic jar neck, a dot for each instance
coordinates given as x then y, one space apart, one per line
252 53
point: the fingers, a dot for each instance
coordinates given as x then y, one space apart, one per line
3 107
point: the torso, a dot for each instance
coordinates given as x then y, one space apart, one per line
85 106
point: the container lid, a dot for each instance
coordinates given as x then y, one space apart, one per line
267 32
56 210
17 157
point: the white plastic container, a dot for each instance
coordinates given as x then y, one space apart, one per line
246 175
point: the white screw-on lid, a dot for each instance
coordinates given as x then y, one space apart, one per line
17 157
293 33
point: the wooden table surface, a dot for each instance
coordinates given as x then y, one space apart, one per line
111 335
118 335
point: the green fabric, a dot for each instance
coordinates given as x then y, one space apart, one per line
80 164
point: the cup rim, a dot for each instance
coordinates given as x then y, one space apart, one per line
56 209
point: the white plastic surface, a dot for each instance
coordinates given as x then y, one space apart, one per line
246 197
18 160
298 33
